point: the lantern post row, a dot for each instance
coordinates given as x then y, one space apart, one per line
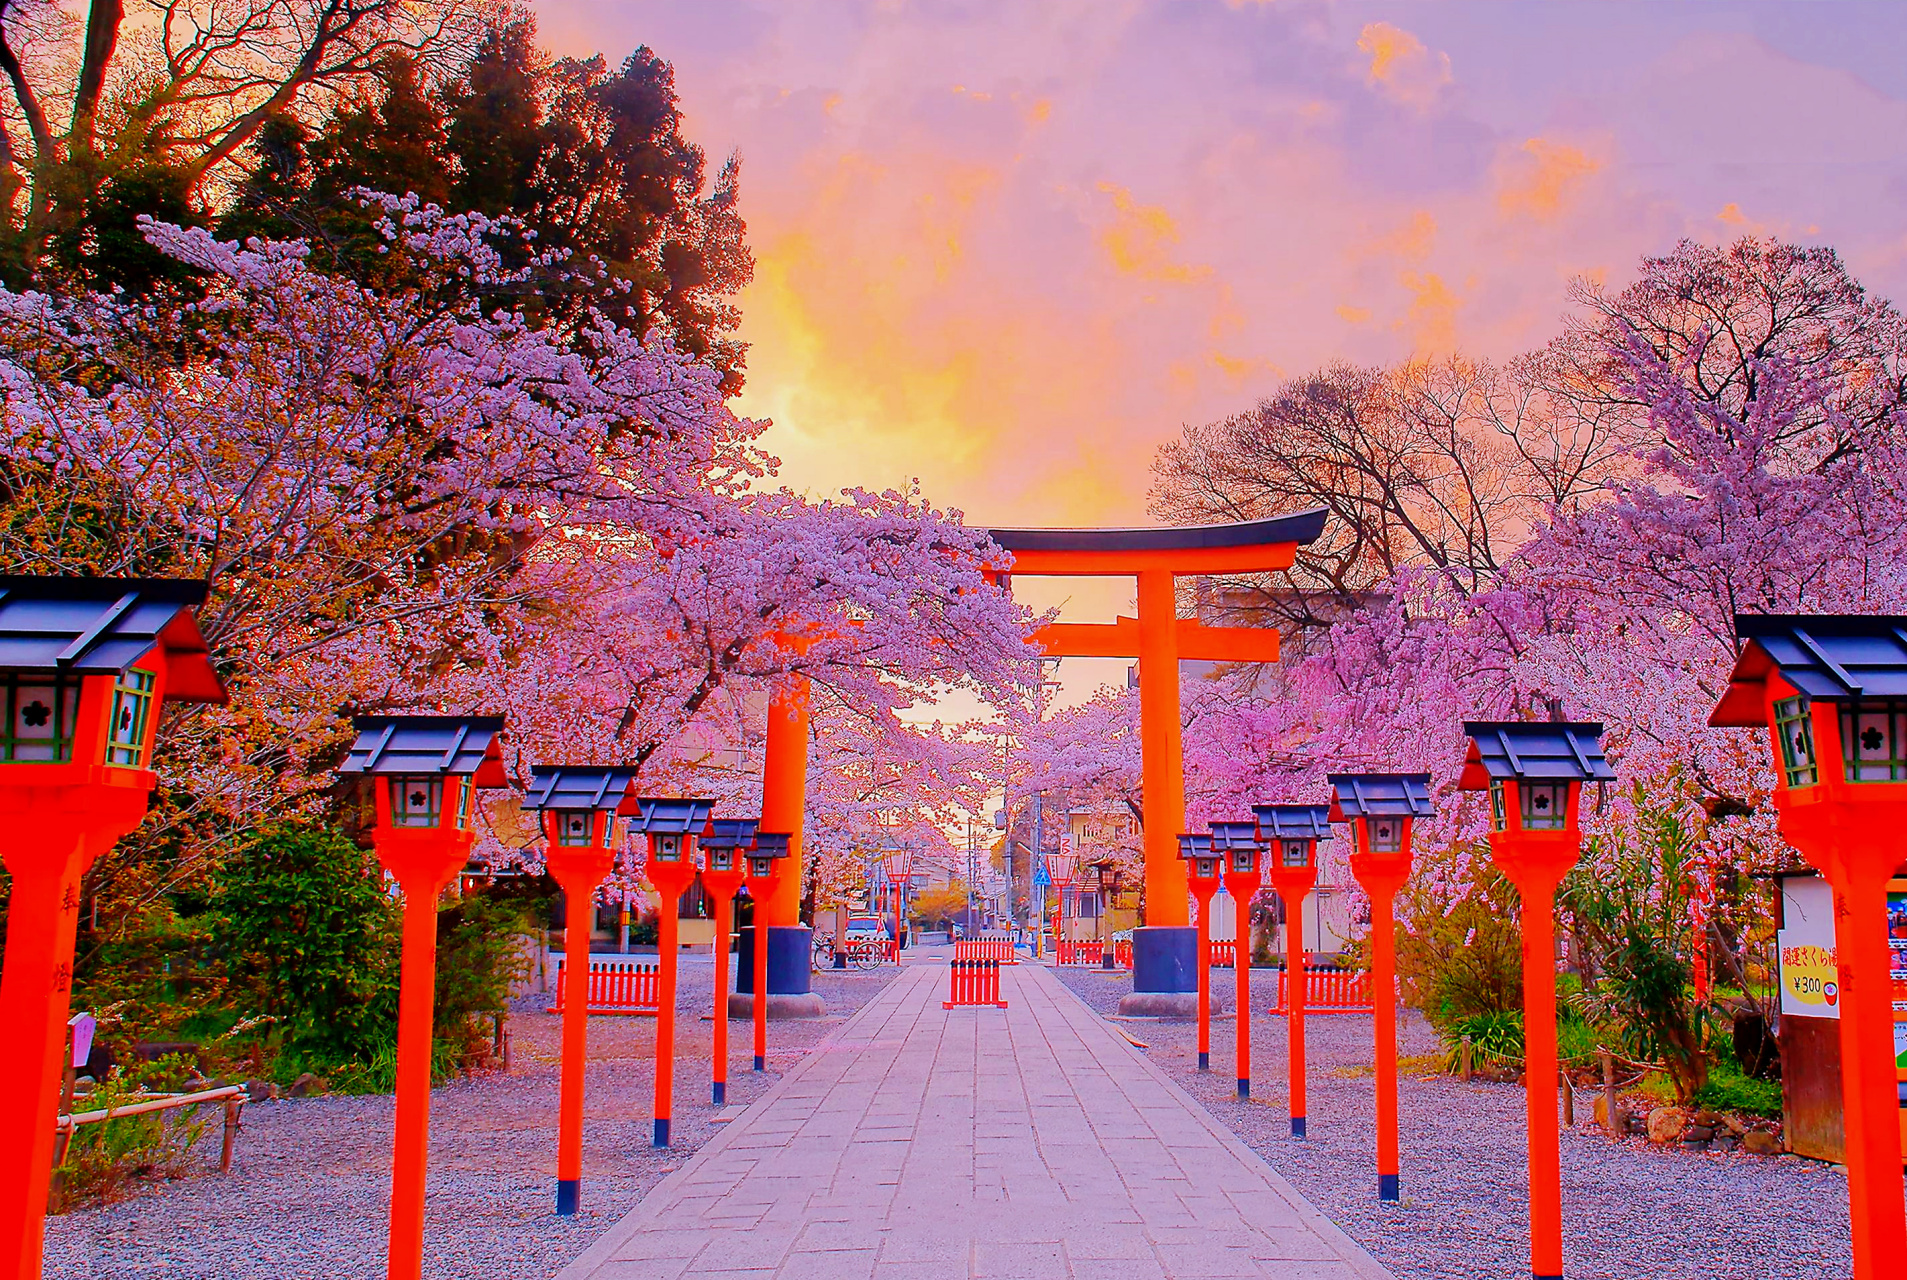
671 826
1534 773
1201 877
86 668
1290 832
1832 692
1237 845
1381 808
766 860
422 773
725 845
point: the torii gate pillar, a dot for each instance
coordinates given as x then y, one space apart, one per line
1165 956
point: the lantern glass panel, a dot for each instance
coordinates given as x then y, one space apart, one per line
1297 853
720 859
667 846
761 867
416 802
132 707
572 826
1242 861
1499 807
1794 726
1545 805
40 712
1386 835
1207 867
1874 741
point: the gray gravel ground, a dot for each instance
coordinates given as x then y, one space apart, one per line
1630 1210
308 1198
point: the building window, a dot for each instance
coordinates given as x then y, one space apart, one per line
40 713
1874 741
1795 728
132 704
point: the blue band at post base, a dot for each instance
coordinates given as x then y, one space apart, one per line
1244 1089
1297 1126
1387 1186
662 1133
720 1092
761 1064
1205 1062
569 1194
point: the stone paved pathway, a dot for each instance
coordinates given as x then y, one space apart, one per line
920 1144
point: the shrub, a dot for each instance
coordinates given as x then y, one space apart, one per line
102 1158
1459 955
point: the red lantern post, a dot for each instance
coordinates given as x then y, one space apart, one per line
1201 876
579 806
86 666
1534 773
724 843
898 868
1237 843
765 857
423 772
1380 809
1832 691
1292 832
671 826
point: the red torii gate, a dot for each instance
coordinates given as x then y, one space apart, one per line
1164 951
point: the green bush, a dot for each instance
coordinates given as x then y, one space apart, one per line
1728 1090
1497 1035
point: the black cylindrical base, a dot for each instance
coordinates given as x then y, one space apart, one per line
569 1195
1297 1126
1163 959
662 1133
719 1092
1205 1062
761 1063
788 960
1387 1186
1244 1088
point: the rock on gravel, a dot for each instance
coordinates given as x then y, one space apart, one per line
309 1193
1630 1209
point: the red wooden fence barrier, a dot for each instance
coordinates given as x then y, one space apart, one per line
1000 949
1330 991
1224 953
616 986
974 982
1081 952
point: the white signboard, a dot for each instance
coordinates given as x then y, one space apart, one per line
1810 978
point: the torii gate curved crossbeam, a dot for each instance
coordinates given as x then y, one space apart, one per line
1164 978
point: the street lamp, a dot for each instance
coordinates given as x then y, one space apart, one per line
578 804
1380 808
725 845
765 856
1201 876
1534 772
1237 843
422 773
86 665
671 826
1061 864
898 866
1832 690
1290 833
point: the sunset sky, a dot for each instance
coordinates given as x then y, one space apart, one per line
1008 246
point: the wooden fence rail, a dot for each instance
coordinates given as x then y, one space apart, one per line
616 986
974 982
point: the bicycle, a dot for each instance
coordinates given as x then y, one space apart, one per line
821 952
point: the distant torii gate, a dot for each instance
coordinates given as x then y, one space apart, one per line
1164 950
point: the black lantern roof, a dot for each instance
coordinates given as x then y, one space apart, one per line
1293 821
729 833
101 626
1380 795
657 816
1826 657
1533 750
1227 836
771 844
1195 844
465 745
577 786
